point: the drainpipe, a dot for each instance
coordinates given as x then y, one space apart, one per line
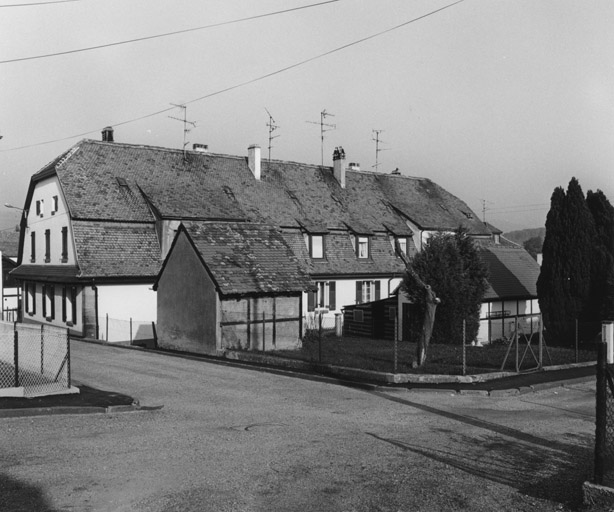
95 288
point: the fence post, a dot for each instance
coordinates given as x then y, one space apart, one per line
320 338
263 329
130 330
576 340
601 414
464 345
68 356
517 343
107 335
396 342
42 349
16 356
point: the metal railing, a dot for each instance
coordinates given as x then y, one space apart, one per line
34 357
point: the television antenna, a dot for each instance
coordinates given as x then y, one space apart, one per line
378 141
272 127
484 208
185 122
324 127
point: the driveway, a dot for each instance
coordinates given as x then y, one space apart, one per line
235 439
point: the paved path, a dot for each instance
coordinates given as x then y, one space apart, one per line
233 439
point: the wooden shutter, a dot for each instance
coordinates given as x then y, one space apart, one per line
73 301
44 295
377 290
332 299
311 300
52 300
358 292
63 303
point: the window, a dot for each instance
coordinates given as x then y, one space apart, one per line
367 291
402 245
316 246
32 247
323 297
30 298
362 247
40 207
55 205
48 302
64 244
47 246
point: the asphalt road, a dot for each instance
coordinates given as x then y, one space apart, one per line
232 439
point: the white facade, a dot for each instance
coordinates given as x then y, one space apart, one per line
498 319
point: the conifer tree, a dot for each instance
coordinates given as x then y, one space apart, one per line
451 265
564 283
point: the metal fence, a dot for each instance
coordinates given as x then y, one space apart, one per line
604 431
35 357
133 331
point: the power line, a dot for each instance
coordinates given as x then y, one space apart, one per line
247 82
39 3
146 38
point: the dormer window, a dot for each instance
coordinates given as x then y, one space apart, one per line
362 247
316 246
402 245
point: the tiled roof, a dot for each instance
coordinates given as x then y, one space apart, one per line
9 243
107 249
340 256
513 273
247 258
208 186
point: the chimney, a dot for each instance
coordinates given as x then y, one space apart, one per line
396 172
201 148
107 134
339 165
253 160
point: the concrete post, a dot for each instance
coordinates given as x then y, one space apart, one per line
338 325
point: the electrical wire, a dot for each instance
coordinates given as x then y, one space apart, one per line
247 82
167 34
39 3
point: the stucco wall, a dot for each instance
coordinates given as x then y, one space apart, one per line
187 303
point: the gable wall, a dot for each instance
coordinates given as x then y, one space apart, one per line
187 303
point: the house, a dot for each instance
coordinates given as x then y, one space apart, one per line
9 288
511 296
230 285
102 217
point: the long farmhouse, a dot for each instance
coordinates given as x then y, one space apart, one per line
100 220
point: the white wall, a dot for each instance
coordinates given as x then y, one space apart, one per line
52 220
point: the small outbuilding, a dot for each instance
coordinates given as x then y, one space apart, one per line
230 286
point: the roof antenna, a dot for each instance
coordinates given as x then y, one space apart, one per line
378 141
324 127
185 122
272 127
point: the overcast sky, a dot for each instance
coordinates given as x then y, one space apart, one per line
498 101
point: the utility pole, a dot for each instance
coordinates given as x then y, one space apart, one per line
324 127
272 127
185 122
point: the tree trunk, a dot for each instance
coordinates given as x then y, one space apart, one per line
430 306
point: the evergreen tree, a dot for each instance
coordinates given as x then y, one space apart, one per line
602 287
564 284
452 266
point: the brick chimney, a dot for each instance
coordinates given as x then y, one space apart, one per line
253 160
339 165
107 134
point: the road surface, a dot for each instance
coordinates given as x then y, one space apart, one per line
235 439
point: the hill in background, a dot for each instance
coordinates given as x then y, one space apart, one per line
520 236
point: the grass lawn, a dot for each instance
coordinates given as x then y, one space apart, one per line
378 355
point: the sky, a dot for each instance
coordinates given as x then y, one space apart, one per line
497 101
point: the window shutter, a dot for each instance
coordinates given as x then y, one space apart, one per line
52 301
73 302
44 300
33 285
63 303
358 292
377 292
311 300
332 299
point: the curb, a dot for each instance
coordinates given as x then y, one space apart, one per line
79 410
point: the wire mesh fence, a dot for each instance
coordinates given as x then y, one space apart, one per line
34 357
133 331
